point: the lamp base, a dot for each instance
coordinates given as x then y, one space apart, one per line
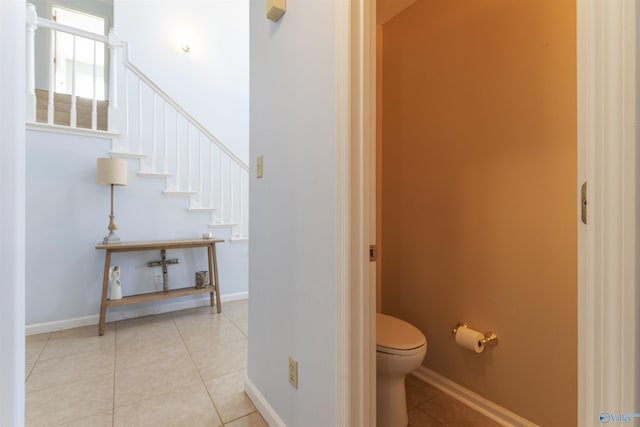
111 239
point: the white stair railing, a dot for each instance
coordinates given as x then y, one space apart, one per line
188 156
153 128
34 23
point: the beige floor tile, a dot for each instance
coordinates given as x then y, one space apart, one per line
209 339
145 381
213 342
418 392
240 319
64 370
103 419
158 348
69 402
229 397
77 341
238 313
189 406
33 347
212 325
28 367
137 332
253 420
451 412
236 308
417 418
221 360
243 325
239 306
142 321
205 309
84 331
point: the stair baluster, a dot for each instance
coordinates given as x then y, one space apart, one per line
221 183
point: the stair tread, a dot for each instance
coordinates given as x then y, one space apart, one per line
155 174
223 224
127 154
178 192
200 209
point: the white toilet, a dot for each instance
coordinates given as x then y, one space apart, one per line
400 349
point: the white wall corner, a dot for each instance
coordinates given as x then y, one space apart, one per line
261 404
12 214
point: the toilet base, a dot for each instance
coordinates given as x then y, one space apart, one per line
391 401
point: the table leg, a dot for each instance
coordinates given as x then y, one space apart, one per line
215 276
210 250
105 286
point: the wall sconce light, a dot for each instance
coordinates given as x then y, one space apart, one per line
186 47
110 171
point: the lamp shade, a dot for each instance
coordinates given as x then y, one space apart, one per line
111 171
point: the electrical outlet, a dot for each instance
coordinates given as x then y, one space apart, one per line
157 282
293 372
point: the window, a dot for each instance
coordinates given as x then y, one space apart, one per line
87 51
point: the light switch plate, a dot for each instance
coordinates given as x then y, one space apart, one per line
259 167
293 372
275 9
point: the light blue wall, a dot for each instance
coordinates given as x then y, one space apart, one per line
67 215
292 268
211 82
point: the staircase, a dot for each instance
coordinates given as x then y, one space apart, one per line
150 127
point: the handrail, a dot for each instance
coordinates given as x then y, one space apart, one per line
222 189
169 100
47 23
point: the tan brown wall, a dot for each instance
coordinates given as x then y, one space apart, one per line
479 191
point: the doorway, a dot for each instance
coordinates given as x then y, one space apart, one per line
606 379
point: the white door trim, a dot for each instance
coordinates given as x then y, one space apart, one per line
607 314
355 148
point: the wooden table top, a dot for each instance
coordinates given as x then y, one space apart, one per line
158 244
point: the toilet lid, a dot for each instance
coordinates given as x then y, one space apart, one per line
393 333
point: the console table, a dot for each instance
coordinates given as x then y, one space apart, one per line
213 287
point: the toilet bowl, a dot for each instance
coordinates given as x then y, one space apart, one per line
400 349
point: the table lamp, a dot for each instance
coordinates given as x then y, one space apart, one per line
112 172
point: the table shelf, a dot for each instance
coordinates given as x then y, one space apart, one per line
160 295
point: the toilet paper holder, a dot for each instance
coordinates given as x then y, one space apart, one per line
490 338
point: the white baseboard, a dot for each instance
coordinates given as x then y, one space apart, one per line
261 404
486 407
127 312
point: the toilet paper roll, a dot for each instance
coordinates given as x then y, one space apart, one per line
470 339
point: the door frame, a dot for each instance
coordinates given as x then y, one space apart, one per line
355 192
607 247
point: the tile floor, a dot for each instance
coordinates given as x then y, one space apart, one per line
180 369
429 407
185 368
